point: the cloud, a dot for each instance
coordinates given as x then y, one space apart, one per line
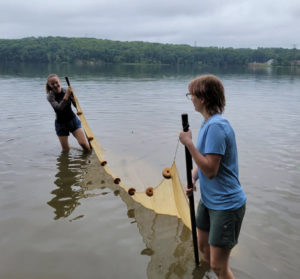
236 23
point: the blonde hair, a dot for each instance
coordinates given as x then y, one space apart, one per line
47 87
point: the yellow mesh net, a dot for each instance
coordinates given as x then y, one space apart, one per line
166 198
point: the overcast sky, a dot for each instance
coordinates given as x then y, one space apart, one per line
222 23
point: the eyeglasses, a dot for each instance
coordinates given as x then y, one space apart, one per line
189 95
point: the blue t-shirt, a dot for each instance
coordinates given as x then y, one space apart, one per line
224 191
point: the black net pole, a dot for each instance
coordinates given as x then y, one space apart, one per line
189 168
67 80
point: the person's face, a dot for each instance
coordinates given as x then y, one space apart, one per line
198 103
54 83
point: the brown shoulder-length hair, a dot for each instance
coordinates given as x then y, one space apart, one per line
47 87
211 89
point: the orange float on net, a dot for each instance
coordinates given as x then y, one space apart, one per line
149 192
117 180
166 173
131 191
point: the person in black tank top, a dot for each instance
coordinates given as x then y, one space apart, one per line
66 121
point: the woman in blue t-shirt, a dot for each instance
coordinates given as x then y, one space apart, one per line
222 205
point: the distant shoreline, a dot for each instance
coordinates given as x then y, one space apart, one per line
92 51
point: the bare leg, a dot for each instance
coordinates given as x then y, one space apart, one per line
203 245
64 143
80 136
219 262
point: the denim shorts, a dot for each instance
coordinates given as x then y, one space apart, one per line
223 225
64 129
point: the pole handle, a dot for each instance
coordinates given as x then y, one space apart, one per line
189 167
185 122
188 157
67 80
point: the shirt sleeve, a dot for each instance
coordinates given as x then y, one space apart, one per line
58 106
215 142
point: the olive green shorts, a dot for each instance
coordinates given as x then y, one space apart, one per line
223 225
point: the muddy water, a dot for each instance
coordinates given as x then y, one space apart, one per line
62 217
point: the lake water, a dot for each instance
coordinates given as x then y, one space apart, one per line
61 217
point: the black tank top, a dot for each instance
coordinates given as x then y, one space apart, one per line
66 114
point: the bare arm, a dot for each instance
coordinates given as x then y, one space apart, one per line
208 164
195 174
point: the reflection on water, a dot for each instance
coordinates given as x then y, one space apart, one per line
136 71
168 242
68 180
133 116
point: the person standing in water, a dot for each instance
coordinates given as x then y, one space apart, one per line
66 121
222 205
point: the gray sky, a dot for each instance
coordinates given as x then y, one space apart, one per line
222 23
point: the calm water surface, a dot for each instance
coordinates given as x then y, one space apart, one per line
61 217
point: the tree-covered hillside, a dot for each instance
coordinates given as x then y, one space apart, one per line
90 50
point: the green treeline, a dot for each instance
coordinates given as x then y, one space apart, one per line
90 50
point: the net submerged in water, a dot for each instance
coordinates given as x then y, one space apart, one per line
167 198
